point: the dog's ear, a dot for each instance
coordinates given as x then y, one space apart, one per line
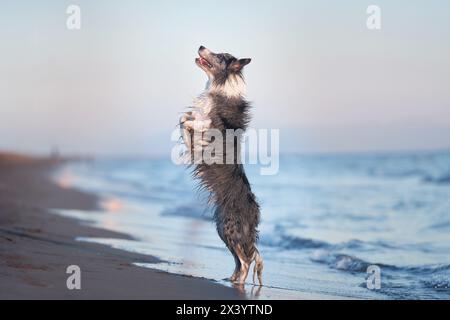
237 65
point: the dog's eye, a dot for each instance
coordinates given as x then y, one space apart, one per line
221 57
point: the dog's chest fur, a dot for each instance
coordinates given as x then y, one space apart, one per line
221 112
202 107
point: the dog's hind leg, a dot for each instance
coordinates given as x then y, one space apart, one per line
257 269
237 268
245 264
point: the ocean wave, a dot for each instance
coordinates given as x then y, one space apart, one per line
430 269
279 238
288 242
340 261
442 285
443 179
437 276
442 225
189 210
397 172
421 175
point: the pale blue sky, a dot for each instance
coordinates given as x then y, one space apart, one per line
318 74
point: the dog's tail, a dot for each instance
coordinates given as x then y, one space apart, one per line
258 267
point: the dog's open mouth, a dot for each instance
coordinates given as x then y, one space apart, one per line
203 62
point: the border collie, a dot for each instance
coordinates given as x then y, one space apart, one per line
222 107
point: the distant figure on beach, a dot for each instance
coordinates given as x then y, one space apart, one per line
221 108
54 153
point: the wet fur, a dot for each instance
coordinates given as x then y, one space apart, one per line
236 210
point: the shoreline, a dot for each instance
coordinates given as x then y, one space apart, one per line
36 246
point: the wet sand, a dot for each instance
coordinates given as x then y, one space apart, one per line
37 246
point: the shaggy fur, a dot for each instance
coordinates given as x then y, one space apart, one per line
223 106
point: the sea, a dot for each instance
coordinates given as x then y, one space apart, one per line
333 226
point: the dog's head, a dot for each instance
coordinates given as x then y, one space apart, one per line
222 69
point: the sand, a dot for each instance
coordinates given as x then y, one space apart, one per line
37 246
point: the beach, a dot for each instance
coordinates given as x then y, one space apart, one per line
326 221
37 246
137 228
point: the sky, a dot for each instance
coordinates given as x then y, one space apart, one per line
318 74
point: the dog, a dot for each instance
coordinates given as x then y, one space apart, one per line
222 107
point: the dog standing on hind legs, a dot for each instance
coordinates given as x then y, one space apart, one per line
222 106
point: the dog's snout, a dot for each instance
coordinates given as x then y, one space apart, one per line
201 48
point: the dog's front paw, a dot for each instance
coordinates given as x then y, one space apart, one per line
186 129
185 118
200 125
